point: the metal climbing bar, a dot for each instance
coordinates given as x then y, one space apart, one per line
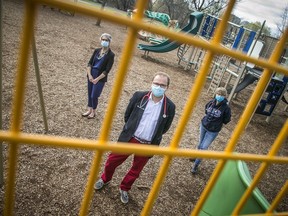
18 104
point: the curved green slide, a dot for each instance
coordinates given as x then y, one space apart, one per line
228 190
191 28
162 17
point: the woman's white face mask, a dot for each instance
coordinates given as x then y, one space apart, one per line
104 43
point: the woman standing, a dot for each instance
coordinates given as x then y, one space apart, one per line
99 66
217 113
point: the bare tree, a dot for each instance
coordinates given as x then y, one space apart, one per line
103 3
176 9
123 5
283 24
181 9
256 26
212 7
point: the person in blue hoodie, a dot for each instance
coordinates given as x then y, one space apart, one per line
217 113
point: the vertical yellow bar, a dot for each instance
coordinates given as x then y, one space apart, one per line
248 112
18 103
194 94
179 131
218 37
279 141
104 133
276 201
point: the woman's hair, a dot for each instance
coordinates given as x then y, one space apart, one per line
221 91
108 36
163 74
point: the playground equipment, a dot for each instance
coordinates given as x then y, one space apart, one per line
272 96
229 188
248 73
236 37
162 17
225 66
225 71
191 28
156 18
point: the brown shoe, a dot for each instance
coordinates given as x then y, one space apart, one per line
192 159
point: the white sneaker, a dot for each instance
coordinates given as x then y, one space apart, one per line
100 184
124 196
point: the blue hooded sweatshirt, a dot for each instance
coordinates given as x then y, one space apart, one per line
216 115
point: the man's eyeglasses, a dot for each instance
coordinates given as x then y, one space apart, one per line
159 84
105 39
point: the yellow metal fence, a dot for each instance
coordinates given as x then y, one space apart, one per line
14 137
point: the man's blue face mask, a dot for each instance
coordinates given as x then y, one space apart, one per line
157 91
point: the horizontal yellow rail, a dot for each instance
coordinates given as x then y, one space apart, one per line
177 36
87 144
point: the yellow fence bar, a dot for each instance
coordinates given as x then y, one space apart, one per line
243 122
86 144
194 94
268 214
18 103
276 201
105 129
177 36
279 141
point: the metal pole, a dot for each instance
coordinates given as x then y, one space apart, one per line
1 144
37 72
263 24
194 49
242 72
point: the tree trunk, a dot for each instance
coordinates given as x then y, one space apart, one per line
98 23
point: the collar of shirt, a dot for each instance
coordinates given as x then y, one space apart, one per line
148 122
161 101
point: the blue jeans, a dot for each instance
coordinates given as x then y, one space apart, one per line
206 138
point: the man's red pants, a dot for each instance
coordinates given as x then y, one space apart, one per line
114 160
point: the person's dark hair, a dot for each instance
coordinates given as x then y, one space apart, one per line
163 74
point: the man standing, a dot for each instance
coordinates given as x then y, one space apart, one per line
148 116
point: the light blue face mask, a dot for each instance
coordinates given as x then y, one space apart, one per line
219 98
157 91
104 43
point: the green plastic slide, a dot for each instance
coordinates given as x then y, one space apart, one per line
228 190
191 28
162 17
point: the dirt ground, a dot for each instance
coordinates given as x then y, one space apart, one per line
51 181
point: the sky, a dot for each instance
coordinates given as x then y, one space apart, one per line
260 10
